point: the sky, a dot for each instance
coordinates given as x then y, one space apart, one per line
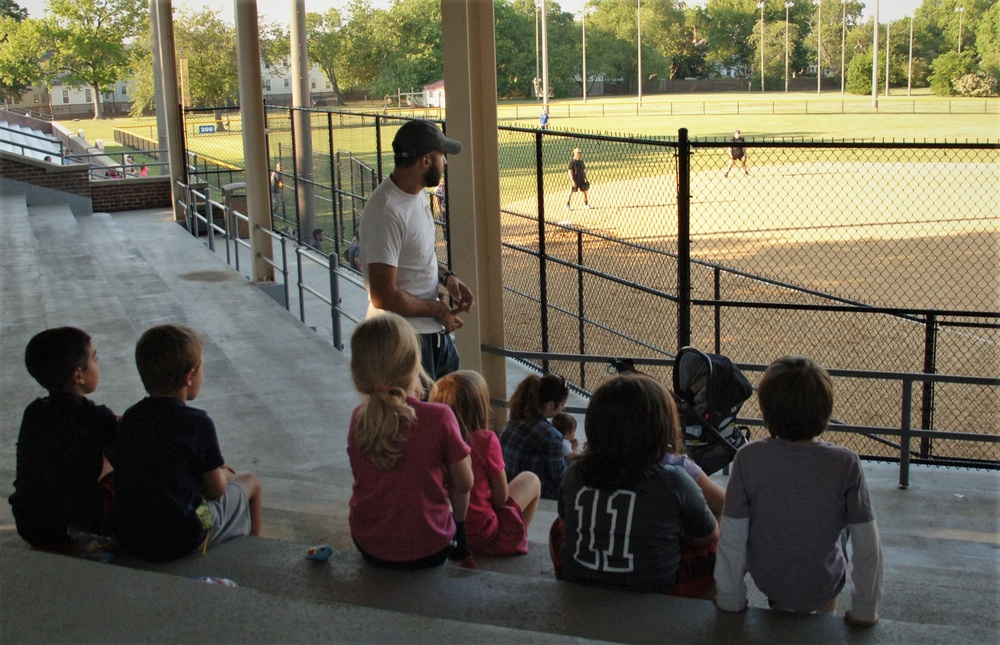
281 10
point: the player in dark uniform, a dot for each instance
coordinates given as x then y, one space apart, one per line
578 178
737 153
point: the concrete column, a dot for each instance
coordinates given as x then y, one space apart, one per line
302 122
254 137
161 111
171 103
468 43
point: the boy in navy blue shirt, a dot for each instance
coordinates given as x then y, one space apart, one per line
62 445
177 494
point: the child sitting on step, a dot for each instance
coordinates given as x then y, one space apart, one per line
626 521
499 512
175 492
411 467
63 477
789 501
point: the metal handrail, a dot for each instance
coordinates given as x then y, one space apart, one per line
905 431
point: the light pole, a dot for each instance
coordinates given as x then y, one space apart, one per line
638 27
843 45
545 53
819 46
961 14
584 16
760 5
888 24
875 60
788 5
909 70
538 71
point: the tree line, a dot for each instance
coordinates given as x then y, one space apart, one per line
94 43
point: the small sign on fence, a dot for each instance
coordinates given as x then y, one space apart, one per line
206 129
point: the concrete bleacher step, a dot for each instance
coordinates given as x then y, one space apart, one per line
275 575
82 601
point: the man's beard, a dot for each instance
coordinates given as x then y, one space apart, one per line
432 177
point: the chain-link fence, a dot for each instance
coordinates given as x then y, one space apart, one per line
868 257
865 257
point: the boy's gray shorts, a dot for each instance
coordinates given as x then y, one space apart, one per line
230 514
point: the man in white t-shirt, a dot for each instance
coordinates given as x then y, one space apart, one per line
399 263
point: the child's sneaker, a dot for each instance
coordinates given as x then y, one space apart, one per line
587 206
568 207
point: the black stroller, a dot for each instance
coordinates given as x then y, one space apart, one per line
709 391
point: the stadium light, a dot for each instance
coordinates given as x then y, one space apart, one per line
583 14
819 46
961 14
541 4
888 23
538 60
843 45
875 60
788 5
760 5
638 27
909 69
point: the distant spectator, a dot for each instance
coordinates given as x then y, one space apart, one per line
277 183
144 171
318 237
353 253
48 159
543 119
441 200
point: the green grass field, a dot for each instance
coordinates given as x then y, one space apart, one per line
663 114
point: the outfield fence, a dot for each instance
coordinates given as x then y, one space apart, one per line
870 258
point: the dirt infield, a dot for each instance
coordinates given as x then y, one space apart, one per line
895 235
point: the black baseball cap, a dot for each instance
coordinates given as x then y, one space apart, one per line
418 137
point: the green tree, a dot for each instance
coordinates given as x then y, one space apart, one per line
87 42
10 9
515 63
948 67
19 57
988 40
730 27
365 32
206 58
325 44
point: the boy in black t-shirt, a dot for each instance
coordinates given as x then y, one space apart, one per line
176 492
62 445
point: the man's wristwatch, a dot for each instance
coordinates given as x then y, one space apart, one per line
444 278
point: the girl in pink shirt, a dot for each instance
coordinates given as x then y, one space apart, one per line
412 472
499 512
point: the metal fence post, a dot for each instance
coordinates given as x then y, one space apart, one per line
378 146
209 218
302 291
295 178
335 302
579 300
543 287
718 309
930 367
905 425
683 239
